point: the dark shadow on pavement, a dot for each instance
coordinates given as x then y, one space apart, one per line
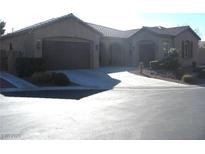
60 94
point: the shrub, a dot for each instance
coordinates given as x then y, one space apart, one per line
25 66
60 79
171 53
41 78
170 60
201 74
194 64
46 78
170 64
188 78
154 64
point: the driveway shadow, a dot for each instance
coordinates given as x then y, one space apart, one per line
60 94
98 80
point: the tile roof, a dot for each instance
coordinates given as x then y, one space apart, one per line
38 25
44 23
173 31
106 31
111 32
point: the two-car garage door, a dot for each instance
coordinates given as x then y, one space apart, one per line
66 54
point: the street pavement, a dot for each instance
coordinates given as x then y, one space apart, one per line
137 113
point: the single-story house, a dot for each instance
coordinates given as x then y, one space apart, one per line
68 42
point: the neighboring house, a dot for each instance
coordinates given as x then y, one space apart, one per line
201 53
70 43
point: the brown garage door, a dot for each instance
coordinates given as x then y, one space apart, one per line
66 55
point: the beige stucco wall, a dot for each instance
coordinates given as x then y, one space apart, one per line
186 35
105 52
22 43
68 29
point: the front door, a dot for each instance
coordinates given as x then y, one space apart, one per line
146 53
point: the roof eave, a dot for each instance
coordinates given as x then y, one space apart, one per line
144 28
193 32
47 24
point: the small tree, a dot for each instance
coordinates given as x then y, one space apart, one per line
2 25
172 53
170 60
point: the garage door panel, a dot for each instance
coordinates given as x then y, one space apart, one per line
66 55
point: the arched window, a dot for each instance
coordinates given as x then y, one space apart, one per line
187 49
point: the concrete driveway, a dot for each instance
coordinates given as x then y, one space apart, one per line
169 113
115 77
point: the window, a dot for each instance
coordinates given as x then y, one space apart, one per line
187 49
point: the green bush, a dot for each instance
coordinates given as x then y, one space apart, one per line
188 78
41 78
170 60
170 64
154 64
26 66
60 79
201 74
46 78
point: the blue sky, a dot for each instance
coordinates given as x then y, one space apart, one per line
195 20
120 14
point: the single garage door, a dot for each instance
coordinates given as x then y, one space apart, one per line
66 55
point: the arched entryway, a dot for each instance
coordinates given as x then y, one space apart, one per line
146 52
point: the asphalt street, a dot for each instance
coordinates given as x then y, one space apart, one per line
149 113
